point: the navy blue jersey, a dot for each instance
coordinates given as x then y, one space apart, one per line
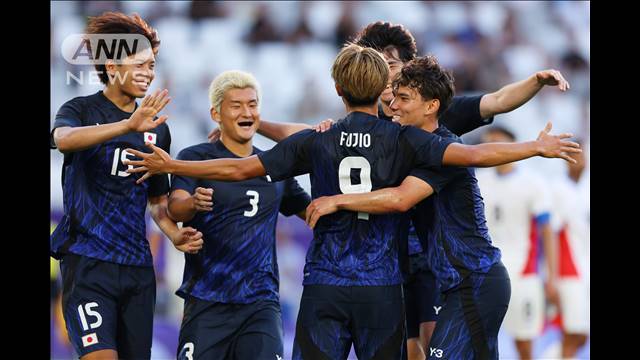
104 208
237 263
462 115
360 153
451 223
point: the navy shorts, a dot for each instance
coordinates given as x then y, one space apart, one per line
108 306
422 300
212 330
332 318
471 316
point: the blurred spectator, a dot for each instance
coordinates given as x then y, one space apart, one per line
93 8
302 31
262 29
346 28
207 9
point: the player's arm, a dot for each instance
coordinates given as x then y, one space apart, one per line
69 139
549 248
159 162
401 198
279 131
493 154
186 239
514 95
184 206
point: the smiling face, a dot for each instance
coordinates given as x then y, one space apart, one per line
410 108
134 75
239 117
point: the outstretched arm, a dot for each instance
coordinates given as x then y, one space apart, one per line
70 139
394 199
159 162
494 154
280 131
512 96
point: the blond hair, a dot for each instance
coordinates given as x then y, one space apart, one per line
361 73
233 79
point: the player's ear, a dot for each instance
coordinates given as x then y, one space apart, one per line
110 68
432 107
215 115
338 90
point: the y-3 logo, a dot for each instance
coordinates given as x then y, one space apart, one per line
437 309
435 352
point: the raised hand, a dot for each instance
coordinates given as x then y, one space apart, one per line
143 118
552 146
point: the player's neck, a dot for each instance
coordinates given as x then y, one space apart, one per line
369 109
430 124
123 101
237 148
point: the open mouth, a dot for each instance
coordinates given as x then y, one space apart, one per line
245 124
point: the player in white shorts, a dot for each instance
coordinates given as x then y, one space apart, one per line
517 204
572 225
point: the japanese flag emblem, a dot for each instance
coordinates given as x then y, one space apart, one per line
150 138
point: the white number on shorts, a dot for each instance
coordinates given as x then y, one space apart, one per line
255 197
123 157
344 178
89 312
189 353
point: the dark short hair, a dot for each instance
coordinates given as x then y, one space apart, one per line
425 75
119 23
385 36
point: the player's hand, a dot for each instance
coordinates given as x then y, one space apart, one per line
154 163
142 119
203 199
188 240
321 206
552 77
214 135
323 126
551 293
552 146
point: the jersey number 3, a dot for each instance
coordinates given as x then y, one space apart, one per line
344 178
255 197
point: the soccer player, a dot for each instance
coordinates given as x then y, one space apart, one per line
571 222
450 224
464 114
517 207
105 260
352 278
232 308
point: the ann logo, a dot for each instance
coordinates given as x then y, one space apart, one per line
91 49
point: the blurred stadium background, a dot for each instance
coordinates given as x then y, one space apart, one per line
289 47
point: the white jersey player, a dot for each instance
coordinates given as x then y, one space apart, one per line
572 225
517 207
